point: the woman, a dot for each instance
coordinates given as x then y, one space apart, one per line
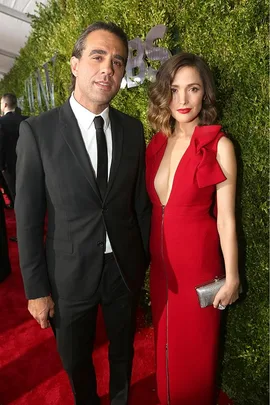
190 171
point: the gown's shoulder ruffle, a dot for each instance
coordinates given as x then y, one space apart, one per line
208 171
156 143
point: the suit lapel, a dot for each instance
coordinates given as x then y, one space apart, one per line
117 145
72 135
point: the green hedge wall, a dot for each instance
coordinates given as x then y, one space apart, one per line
232 36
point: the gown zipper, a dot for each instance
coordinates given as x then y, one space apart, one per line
167 308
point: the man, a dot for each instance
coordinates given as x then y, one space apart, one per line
9 134
98 224
5 268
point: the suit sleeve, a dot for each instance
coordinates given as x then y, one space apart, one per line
30 208
143 205
2 149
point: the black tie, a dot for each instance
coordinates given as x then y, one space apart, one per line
102 156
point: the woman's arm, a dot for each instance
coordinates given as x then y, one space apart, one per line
226 223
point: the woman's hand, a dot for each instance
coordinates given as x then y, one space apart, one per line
227 294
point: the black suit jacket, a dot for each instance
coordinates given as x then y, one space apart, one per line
9 133
5 269
54 173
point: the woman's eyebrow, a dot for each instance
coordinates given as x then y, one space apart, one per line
190 84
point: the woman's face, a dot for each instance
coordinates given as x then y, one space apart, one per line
187 95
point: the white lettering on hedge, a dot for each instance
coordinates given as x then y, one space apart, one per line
141 53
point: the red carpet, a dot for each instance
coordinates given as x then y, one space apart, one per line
30 368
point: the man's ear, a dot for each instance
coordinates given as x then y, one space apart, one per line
74 62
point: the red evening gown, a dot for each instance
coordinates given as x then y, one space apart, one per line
185 252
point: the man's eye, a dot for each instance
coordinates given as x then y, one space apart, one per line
118 63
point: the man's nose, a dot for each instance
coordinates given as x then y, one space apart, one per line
107 68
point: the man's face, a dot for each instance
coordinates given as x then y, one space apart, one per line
99 71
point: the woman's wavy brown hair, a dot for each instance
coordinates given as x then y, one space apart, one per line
159 113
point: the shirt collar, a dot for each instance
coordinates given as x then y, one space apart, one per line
12 111
85 117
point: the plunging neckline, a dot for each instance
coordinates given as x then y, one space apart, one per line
176 170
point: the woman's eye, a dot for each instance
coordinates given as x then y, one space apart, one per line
173 90
194 89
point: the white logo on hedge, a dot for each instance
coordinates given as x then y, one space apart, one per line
140 56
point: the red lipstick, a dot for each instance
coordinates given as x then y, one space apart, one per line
184 110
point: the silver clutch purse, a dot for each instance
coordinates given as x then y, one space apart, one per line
207 292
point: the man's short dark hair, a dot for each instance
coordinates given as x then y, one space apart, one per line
99 25
10 99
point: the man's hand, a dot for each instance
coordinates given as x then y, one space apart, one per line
41 309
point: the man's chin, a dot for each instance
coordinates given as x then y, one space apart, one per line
105 94
104 99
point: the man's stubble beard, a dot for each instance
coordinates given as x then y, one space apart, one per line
100 98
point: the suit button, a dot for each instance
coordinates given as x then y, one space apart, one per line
100 244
